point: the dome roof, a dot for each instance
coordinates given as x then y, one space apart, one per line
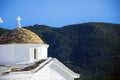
20 35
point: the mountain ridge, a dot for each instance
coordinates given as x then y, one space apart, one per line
91 49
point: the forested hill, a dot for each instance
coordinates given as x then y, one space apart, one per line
91 49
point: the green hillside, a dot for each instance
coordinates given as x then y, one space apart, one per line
2 31
91 49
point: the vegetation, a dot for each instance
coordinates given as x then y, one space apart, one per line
3 31
90 49
31 67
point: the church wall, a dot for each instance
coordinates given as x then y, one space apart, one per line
60 72
15 76
7 54
31 54
25 52
48 72
22 53
42 52
51 73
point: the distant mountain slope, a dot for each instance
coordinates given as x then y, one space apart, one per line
91 49
2 31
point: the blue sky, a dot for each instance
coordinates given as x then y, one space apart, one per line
58 13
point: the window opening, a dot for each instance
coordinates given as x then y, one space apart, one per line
35 53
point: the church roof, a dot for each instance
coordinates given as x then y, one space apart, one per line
20 36
37 66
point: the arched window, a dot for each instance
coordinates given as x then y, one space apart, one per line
35 53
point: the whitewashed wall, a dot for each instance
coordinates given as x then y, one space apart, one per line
43 50
22 76
22 53
47 73
51 73
7 53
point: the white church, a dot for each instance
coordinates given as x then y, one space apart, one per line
24 56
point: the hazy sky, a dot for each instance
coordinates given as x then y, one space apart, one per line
58 13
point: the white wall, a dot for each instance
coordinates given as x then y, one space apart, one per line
51 73
22 76
43 50
7 53
47 73
22 53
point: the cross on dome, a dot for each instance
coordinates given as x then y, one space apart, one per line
19 19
